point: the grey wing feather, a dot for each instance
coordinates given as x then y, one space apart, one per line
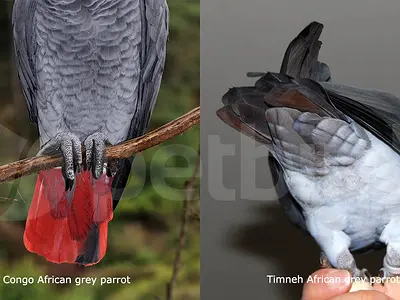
309 143
155 29
155 14
25 47
339 141
289 148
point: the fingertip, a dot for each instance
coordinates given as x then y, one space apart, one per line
326 283
391 287
363 295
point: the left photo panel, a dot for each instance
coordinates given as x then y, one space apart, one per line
99 156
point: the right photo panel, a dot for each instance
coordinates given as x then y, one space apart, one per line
300 149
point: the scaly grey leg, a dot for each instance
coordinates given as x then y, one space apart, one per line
70 147
95 145
391 262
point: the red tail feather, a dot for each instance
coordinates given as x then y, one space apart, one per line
69 227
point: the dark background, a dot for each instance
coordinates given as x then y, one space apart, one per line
244 234
144 233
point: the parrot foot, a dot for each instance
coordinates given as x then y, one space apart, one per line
70 147
95 146
390 267
387 272
361 280
347 263
362 274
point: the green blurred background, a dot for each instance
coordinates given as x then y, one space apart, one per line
144 234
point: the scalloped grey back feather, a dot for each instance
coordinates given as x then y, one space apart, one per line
90 65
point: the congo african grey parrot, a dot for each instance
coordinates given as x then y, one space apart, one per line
335 147
90 72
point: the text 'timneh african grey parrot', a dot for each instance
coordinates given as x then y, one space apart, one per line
90 71
336 149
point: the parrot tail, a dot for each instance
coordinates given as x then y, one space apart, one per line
69 226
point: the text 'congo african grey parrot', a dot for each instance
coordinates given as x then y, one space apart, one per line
90 71
336 148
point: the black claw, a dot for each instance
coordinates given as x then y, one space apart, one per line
69 183
367 274
89 166
363 274
93 164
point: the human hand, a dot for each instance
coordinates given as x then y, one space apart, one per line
318 290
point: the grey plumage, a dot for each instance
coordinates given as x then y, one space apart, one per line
335 146
25 49
340 142
90 71
89 66
310 144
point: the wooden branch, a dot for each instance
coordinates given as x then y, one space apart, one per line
123 150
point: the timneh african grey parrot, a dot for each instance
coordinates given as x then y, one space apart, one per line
90 72
336 148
